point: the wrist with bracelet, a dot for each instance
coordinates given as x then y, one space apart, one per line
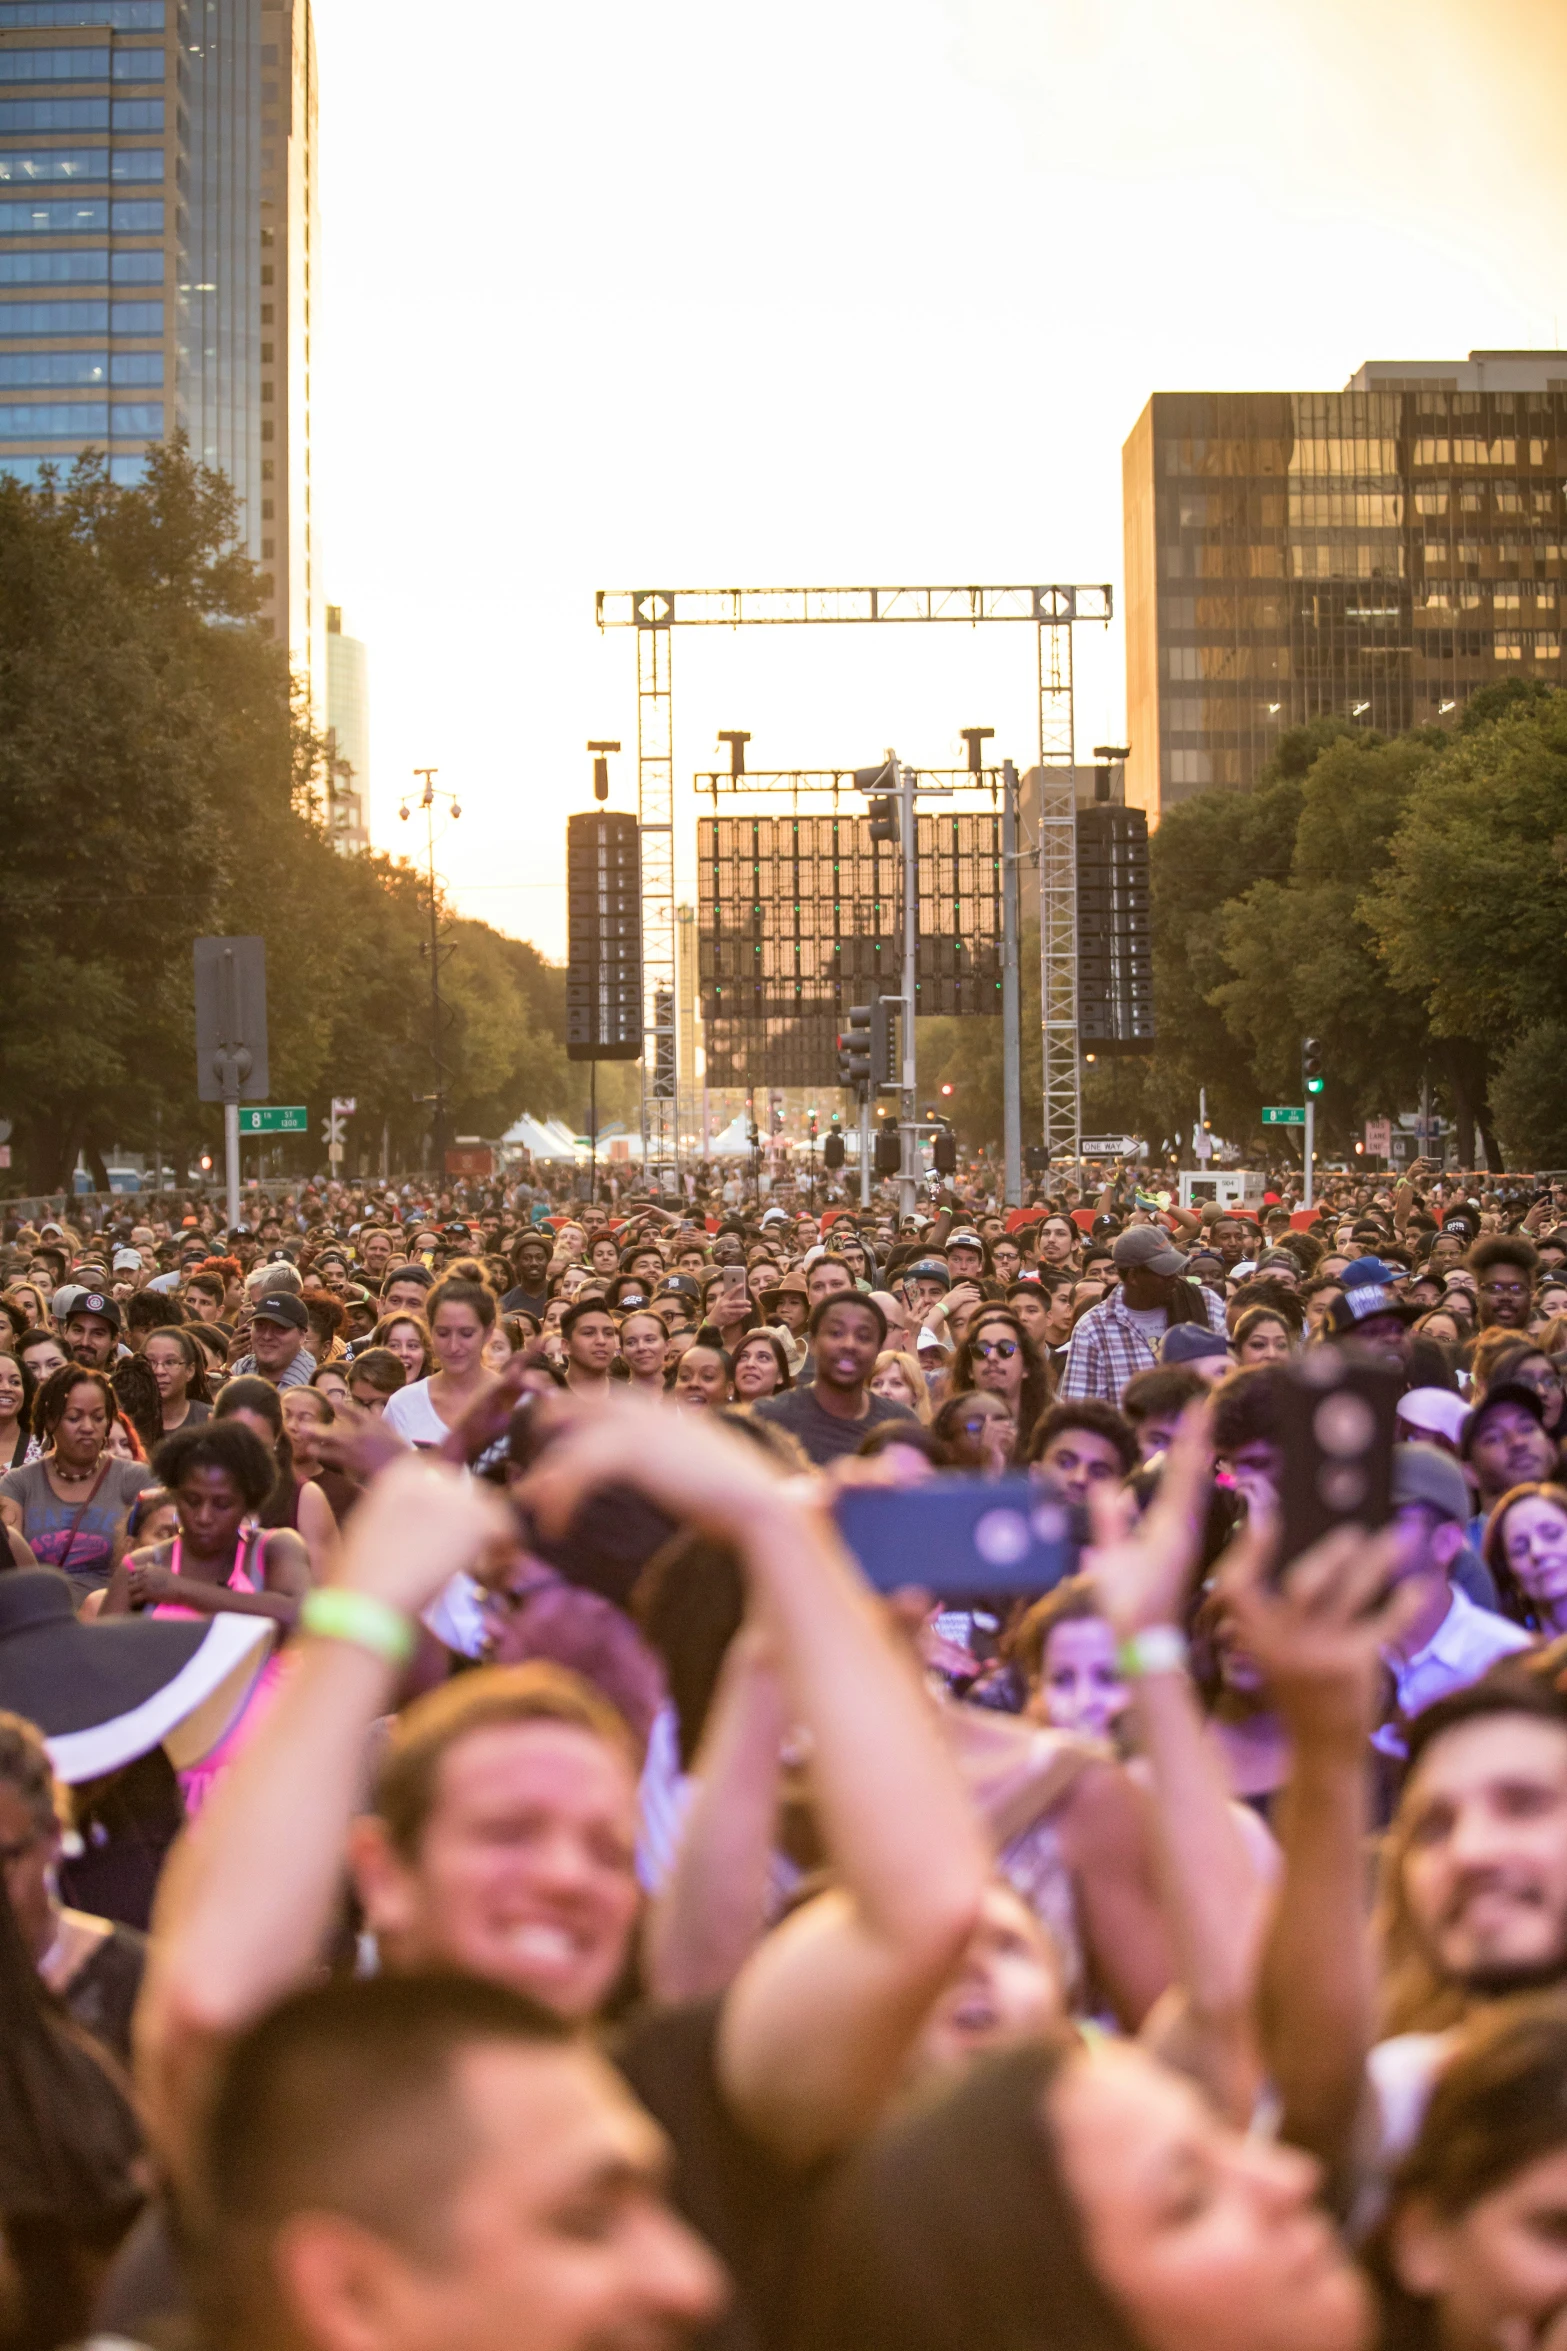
1158 1648
332 1612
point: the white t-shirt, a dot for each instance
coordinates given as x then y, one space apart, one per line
414 1417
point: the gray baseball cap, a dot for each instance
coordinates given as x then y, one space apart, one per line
1148 1246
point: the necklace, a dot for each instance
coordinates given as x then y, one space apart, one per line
71 1477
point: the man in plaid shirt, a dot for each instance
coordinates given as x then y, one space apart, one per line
1121 1336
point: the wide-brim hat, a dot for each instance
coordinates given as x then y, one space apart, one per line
793 1285
107 1692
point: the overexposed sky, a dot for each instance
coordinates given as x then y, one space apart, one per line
860 291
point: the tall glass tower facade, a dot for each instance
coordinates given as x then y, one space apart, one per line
158 239
1374 554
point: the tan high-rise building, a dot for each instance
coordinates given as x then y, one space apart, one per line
159 250
1375 554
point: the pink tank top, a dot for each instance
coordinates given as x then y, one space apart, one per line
246 1575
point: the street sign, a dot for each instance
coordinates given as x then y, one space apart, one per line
1285 1114
1379 1137
231 1019
1113 1147
344 1105
289 1118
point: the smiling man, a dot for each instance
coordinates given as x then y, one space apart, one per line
832 1416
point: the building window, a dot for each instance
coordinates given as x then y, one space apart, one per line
54 318
268 510
84 267
54 65
65 216
64 420
1508 645
125 16
266 391
141 368
37 167
1191 767
137 269
136 318
268 550
266 354
138 65
137 216
138 114
53 368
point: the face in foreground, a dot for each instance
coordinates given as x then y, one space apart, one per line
1501 2261
524 1873
556 2236
1007 1988
1208 2241
1080 1684
1484 1827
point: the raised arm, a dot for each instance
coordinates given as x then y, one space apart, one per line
1213 1897
248 1893
1318 1637
819 2024
712 1912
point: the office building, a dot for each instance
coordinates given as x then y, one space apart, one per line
348 724
158 233
1377 554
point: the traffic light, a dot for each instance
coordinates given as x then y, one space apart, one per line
833 1151
884 1044
944 1152
855 1049
884 819
889 1148
1311 1071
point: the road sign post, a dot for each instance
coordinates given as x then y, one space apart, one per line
231 1038
289 1118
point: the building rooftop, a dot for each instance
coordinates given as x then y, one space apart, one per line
1482 371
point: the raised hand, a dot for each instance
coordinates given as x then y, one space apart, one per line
1317 1634
1142 1568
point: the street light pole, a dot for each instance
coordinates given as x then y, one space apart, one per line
427 800
1011 1002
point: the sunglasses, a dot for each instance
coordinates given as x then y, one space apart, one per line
1005 1348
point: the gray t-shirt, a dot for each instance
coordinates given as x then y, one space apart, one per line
87 1555
824 1435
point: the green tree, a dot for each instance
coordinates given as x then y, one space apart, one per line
1303 961
161 779
1529 1096
1470 915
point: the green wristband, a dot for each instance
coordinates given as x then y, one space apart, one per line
333 1613
1159 1648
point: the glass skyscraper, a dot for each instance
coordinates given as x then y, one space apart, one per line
1375 553
158 239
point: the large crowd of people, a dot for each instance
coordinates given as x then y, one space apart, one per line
483 1868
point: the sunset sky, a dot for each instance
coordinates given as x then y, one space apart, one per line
861 291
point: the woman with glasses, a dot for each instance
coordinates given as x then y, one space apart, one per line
996 1357
1527 1367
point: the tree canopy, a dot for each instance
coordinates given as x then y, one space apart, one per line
161 781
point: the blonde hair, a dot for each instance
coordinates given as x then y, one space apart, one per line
914 1379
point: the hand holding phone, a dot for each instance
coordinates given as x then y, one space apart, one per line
1337 1418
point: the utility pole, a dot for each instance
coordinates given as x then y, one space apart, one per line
909 1173
1011 999
427 800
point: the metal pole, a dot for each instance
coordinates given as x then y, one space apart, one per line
231 1156
1311 1148
438 1137
593 1130
865 1147
1011 1000
909 1174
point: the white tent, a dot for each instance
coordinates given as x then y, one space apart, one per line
551 1142
735 1141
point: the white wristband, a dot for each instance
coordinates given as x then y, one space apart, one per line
1159 1648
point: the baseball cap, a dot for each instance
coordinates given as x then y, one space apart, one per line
1505 1392
413 1272
678 1285
127 1261
94 1302
1365 1300
1189 1341
281 1306
928 1269
965 1240
1436 1412
1422 1474
1362 1271
1148 1246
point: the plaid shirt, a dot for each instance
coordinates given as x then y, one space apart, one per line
1108 1349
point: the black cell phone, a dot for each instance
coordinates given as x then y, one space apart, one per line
1337 1418
960 1538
